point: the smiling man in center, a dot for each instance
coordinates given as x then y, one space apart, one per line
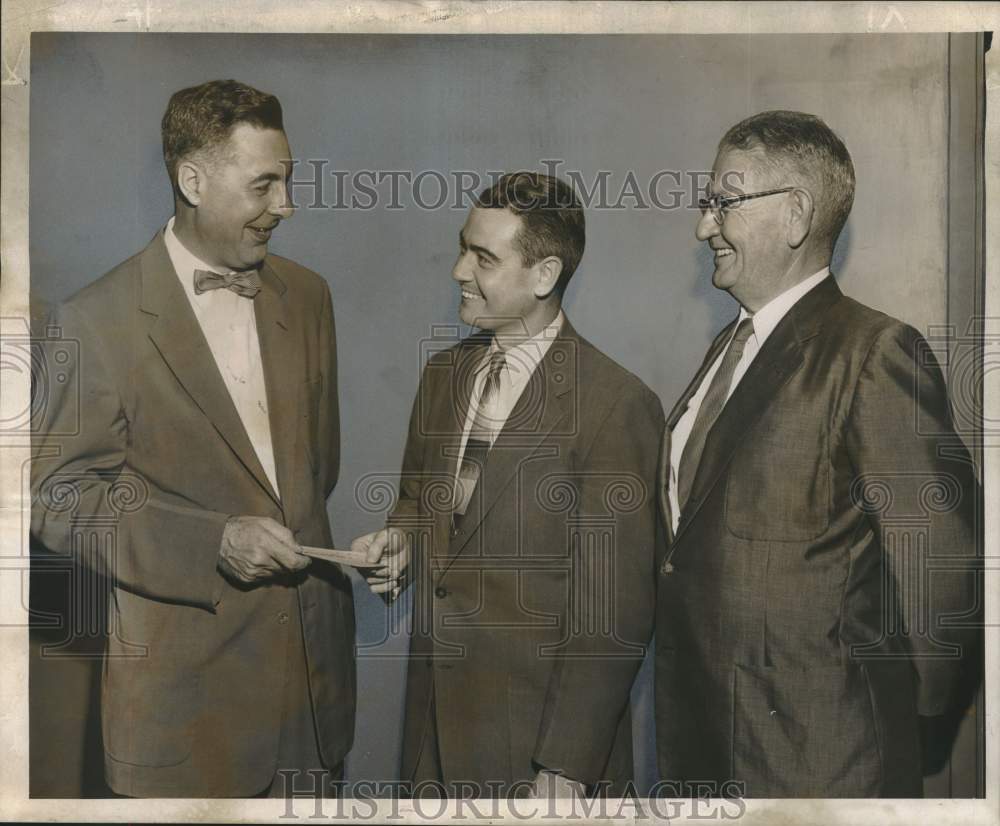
526 518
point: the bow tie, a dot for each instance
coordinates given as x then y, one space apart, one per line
246 284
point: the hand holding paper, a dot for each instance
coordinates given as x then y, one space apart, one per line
256 548
388 553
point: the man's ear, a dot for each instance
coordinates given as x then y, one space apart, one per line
800 217
547 272
191 181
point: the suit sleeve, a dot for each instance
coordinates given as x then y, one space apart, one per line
407 512
612 596
163 548
900 438
411 478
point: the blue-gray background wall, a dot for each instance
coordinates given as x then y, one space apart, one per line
618 104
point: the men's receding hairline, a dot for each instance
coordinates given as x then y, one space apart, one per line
807 153
223 151
767 163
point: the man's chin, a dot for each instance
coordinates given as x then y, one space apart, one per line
468 316
254 258
722 279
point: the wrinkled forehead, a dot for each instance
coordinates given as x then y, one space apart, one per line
254 148
739 171
494 226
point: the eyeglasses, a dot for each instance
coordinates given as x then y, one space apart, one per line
716 203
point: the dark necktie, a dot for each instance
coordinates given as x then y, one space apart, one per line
246 284
711 407
480 439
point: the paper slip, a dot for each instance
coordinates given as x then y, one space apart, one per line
356 559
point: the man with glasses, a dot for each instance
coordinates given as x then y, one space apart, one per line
806 475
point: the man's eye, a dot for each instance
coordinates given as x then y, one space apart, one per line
261 189
484 262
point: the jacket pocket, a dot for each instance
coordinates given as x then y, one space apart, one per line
805 732
149 712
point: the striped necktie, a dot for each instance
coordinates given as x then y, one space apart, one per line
480 437
711 407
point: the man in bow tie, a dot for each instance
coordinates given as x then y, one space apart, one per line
817 594
208 388
527 504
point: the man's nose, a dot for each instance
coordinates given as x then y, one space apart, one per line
281 205
707 226
460 272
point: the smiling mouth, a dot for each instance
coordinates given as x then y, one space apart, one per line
467 296
261 233
722 253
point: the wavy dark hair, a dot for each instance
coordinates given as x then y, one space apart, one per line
200 119
551 216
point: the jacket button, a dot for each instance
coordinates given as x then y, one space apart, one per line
282 617
440 592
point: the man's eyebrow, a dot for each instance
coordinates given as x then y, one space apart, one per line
267 176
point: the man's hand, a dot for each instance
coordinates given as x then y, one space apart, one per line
256 548
388 552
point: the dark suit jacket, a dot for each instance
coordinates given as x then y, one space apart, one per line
832 473
142 452
530 621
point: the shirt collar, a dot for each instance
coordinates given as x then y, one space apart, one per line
523 359
768 316
185 262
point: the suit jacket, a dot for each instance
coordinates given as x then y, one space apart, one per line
140 461
831 492
531 618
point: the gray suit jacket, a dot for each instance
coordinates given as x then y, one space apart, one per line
831 499
140 460
531 619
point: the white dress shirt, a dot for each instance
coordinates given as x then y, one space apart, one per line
230 327
521 361
764 322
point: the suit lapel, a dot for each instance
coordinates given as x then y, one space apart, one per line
663 467
713 353
443 414
177 336
545 401
454 407
279 355
778 360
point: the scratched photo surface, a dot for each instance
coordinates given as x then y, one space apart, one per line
393 137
